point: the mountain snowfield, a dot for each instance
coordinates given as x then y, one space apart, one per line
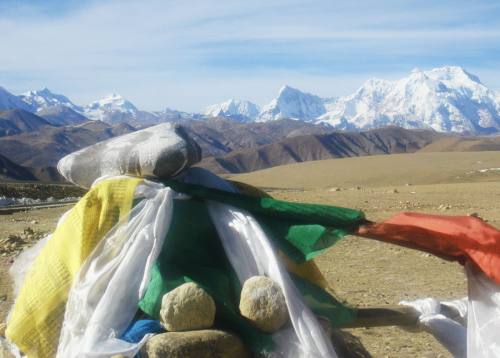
445 99
292 103
238 109
44 98
104 108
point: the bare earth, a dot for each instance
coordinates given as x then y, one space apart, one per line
369 273
364 272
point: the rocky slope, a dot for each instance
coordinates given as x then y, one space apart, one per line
389 140
46 146
12 171
219 136
16 121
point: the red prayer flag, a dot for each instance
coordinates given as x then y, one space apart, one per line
450 237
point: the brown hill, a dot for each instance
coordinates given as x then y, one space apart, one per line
18 121
388 140
12 171
218 136
46 146
463 144
61 116
47 174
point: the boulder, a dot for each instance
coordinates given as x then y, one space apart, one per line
186 308
263 303
162 151
195 344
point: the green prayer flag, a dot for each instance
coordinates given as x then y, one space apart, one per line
192 251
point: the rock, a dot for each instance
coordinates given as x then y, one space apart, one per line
444 207
348 346
263 303
187 308
334 189
195 344
325 325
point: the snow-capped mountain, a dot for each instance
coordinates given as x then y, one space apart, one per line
10 101
175 116
115 109
292 103
104 108
446 99
44 98
233 108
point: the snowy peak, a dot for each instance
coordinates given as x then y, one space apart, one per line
233 108
446 99
293 103
10 101
455 74
113 102
44 98
112 109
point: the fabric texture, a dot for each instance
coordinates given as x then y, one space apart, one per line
483 315
192 235
39 308
459 238
443 325
104 296
140 328
301 231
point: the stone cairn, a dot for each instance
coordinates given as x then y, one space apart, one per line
188 314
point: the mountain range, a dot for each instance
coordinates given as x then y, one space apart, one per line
35 146
445 99
320 146
444 109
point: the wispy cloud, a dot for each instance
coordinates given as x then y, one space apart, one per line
187 54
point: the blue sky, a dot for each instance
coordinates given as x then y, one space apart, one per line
188 54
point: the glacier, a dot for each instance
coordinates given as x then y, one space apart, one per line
445 99
234 108
295 104
44 99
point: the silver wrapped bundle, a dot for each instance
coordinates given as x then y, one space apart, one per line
162 151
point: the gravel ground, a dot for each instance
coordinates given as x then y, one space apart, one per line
363 272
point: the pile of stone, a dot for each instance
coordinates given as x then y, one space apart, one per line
188 315
13 244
